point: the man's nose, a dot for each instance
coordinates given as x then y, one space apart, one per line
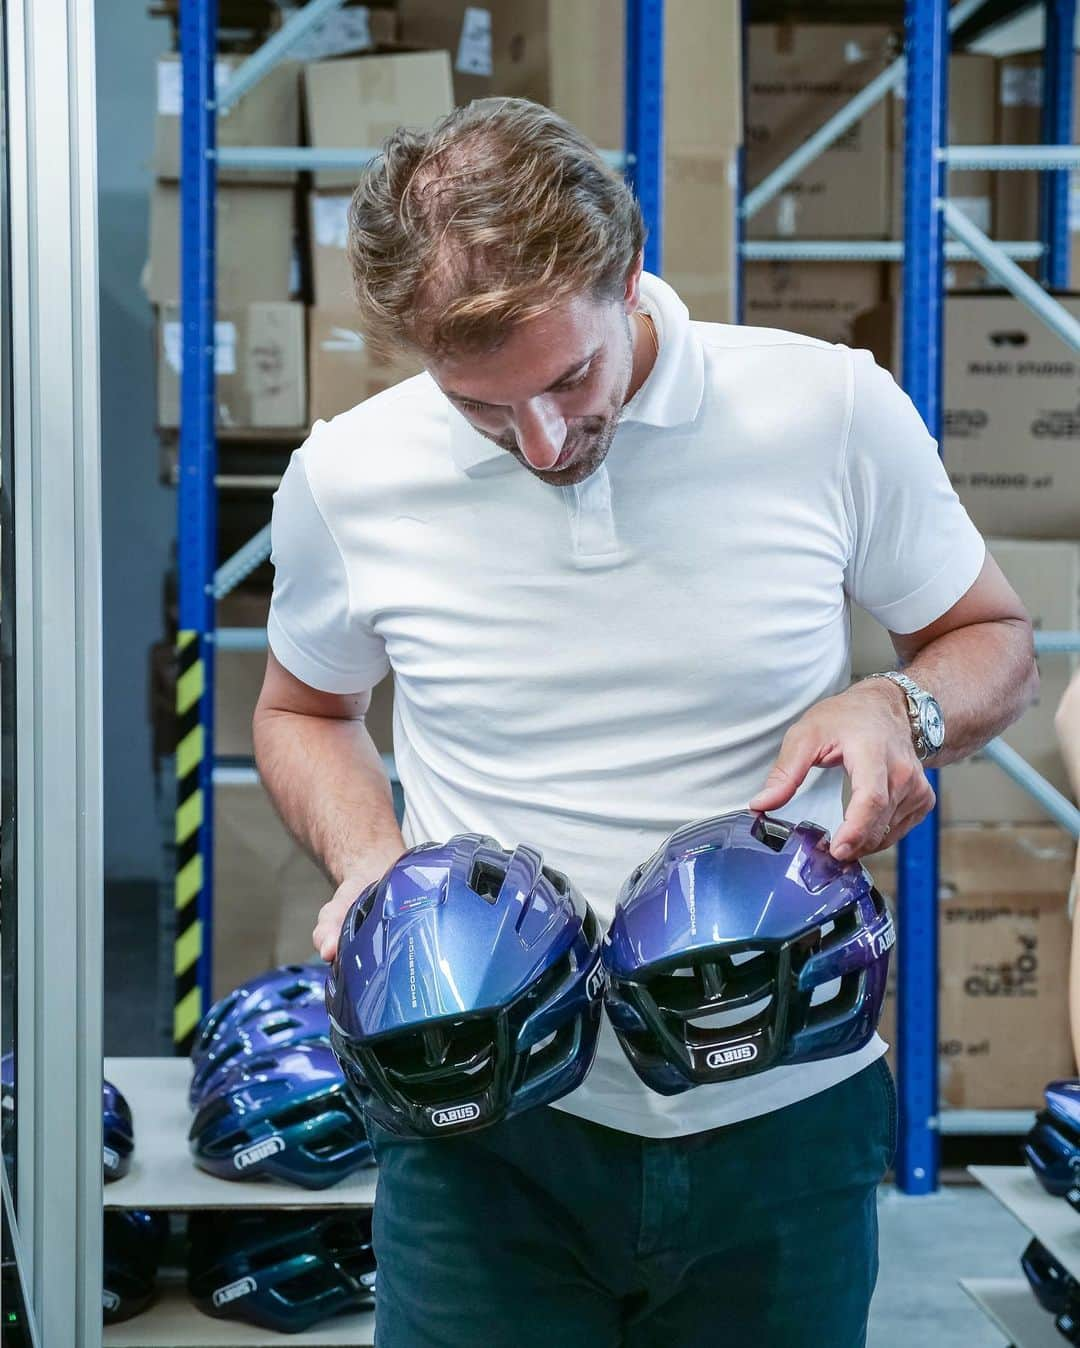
541 433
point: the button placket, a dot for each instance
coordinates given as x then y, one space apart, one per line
592 521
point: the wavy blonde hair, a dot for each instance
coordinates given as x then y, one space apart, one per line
496 214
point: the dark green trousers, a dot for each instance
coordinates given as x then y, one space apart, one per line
550 1232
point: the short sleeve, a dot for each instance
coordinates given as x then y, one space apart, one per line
313 628
914 551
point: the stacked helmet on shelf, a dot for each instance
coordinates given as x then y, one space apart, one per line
133 1244
268 1096
1056 1291
1052 1147
281 1271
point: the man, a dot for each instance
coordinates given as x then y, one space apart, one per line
607 553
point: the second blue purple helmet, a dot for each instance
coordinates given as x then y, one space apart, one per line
467 987
1054 1288
117 1133
1052 1147
289 987
283 1115
742 944
254 1033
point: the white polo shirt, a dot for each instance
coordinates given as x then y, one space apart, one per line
587 668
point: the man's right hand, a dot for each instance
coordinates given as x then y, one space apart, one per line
333 914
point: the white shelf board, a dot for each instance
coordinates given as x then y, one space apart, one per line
174 1322
1048 1218
162 1173
1009 1303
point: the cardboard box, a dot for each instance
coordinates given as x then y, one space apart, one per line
328 230
567 56
972 106
798 76
1019 122
268 114
1004 936
255 230
1012 412
702 135
260 366
820 299
343 371
358 103
1046 576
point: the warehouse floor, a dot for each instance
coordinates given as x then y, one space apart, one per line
927 1244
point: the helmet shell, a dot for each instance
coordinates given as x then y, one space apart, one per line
1052 1146
133 1243
284 1115
118 1133
288 987
255 1033
467 987
283 1272
742 944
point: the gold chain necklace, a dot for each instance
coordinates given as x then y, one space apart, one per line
650 328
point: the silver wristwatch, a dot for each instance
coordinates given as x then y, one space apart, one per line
924 713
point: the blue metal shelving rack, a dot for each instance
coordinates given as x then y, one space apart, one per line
202 581
928 216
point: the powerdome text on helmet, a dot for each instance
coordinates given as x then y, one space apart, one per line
741 944
467 987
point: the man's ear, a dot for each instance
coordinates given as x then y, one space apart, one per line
632 295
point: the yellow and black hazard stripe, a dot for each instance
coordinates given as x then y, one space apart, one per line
190 691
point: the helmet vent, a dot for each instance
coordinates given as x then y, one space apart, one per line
771 832
487 880
826 992
543 1043
303 1288
736 1016
556 879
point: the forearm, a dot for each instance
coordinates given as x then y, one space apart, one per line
327 782
984 676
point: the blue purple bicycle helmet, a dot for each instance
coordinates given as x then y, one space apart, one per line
281 1271
117 1133
283 1115
742 944
255 1033
1052 1147
467 987
1055 1290
133 1242
288 987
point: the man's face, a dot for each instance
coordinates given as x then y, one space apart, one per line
552 393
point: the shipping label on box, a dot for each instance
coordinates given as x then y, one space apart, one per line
328 234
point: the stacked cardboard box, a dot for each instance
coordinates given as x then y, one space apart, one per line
798 75
1046 576
1003 1027
260 329
1019 122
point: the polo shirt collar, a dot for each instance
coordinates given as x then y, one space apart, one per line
670 396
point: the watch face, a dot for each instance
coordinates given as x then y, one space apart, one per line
933 723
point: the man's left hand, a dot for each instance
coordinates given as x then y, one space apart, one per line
865 728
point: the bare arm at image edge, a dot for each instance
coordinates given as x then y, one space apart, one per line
327 782
1067 724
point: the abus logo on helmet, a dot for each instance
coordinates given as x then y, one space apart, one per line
242 1287
595 981
883 941
447 1118
250 1156
109 1300
728 1057
109 1157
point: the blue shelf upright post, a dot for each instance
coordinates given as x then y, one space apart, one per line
927 46
645 119
197 527
1057 126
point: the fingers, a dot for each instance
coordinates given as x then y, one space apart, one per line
798 754
887 801
328 926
